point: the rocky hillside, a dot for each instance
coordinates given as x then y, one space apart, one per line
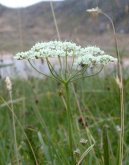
20 28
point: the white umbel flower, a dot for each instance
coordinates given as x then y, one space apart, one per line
51 49
89 60
94 56
94 51
105 59
89 56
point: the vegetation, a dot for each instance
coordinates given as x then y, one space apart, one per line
39 110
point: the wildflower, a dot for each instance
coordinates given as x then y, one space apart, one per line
51 49
90 60
89 56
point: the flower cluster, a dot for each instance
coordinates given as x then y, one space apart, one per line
89 56
90 60
94 51
51 49
94 56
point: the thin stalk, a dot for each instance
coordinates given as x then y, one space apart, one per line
87 75
61 67
80 72
121 88
52 68
66 65
54 18
56 76
40 71
72 63
69 119
115 39
14 129
57 29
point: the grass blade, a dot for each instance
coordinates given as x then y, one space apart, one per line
85 154
105 146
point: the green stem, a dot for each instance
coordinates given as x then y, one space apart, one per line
66 65
39 71
14 130
52 71
69 120
75 79
121 88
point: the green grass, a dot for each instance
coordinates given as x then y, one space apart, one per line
41 113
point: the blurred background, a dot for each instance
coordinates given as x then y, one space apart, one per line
20 28
32 22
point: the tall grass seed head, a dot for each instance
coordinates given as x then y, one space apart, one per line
8 83
94 11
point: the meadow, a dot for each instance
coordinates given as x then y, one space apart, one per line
41 118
